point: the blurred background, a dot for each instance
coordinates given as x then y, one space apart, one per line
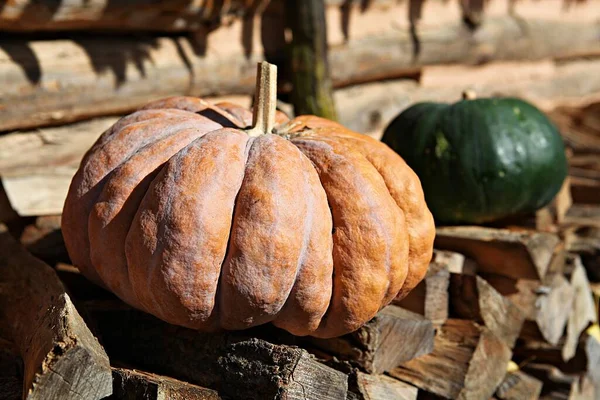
70 68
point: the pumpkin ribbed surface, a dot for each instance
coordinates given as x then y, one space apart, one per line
182 214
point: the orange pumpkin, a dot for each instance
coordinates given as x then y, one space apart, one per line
185 214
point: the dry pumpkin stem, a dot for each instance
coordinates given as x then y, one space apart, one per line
265 101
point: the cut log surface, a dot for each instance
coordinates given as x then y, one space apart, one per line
62 359
430 297
471 297
468 362
585 241
235 364
560 386
546 305
138 385
380 387
515 254
394 336
583 215
584 311
518 385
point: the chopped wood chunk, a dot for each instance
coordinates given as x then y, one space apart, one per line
62 359
430 297
131 384
518 385
235 364
380 387
471 297
515 254
468 362
394 336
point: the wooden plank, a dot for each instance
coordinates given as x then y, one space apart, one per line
364 108
380 387
178 15
394 336
467 362
583 215
130 384
236 364
515 254
63 360
518 385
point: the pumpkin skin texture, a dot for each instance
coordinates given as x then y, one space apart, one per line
480 160
182 214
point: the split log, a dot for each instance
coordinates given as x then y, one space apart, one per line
379 387
468 362
62 359
583 215
471 297
583 313
585 362
131 384
560 386
518 385
235 364
11 365
430 297
546 305
585 241
514 254
394 336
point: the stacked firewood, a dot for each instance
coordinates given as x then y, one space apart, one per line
506 311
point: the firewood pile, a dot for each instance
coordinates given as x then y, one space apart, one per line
507 311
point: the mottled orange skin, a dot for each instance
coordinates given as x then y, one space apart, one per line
182 214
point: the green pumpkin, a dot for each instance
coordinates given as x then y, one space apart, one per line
480 160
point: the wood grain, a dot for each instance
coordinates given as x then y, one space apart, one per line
139 385
467 362
394 336
62 359
59 81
